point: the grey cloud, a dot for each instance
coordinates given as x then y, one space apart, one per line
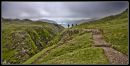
33 10
99 9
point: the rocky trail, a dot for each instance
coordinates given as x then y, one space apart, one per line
114 56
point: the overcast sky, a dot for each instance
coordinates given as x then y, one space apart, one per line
62 10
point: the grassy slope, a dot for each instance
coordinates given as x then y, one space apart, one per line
115 30
81 56
75 50
20 36
78 50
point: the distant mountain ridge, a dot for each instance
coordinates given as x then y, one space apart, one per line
47 20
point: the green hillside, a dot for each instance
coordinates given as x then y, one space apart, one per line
47 43
75 46
21 39
115 30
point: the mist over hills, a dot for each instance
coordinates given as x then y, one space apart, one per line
46 20
61 21
65 22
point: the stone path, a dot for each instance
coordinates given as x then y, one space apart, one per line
114 56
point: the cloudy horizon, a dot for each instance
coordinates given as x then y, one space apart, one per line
62 10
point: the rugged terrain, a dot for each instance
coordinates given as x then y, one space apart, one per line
21 39
103 41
